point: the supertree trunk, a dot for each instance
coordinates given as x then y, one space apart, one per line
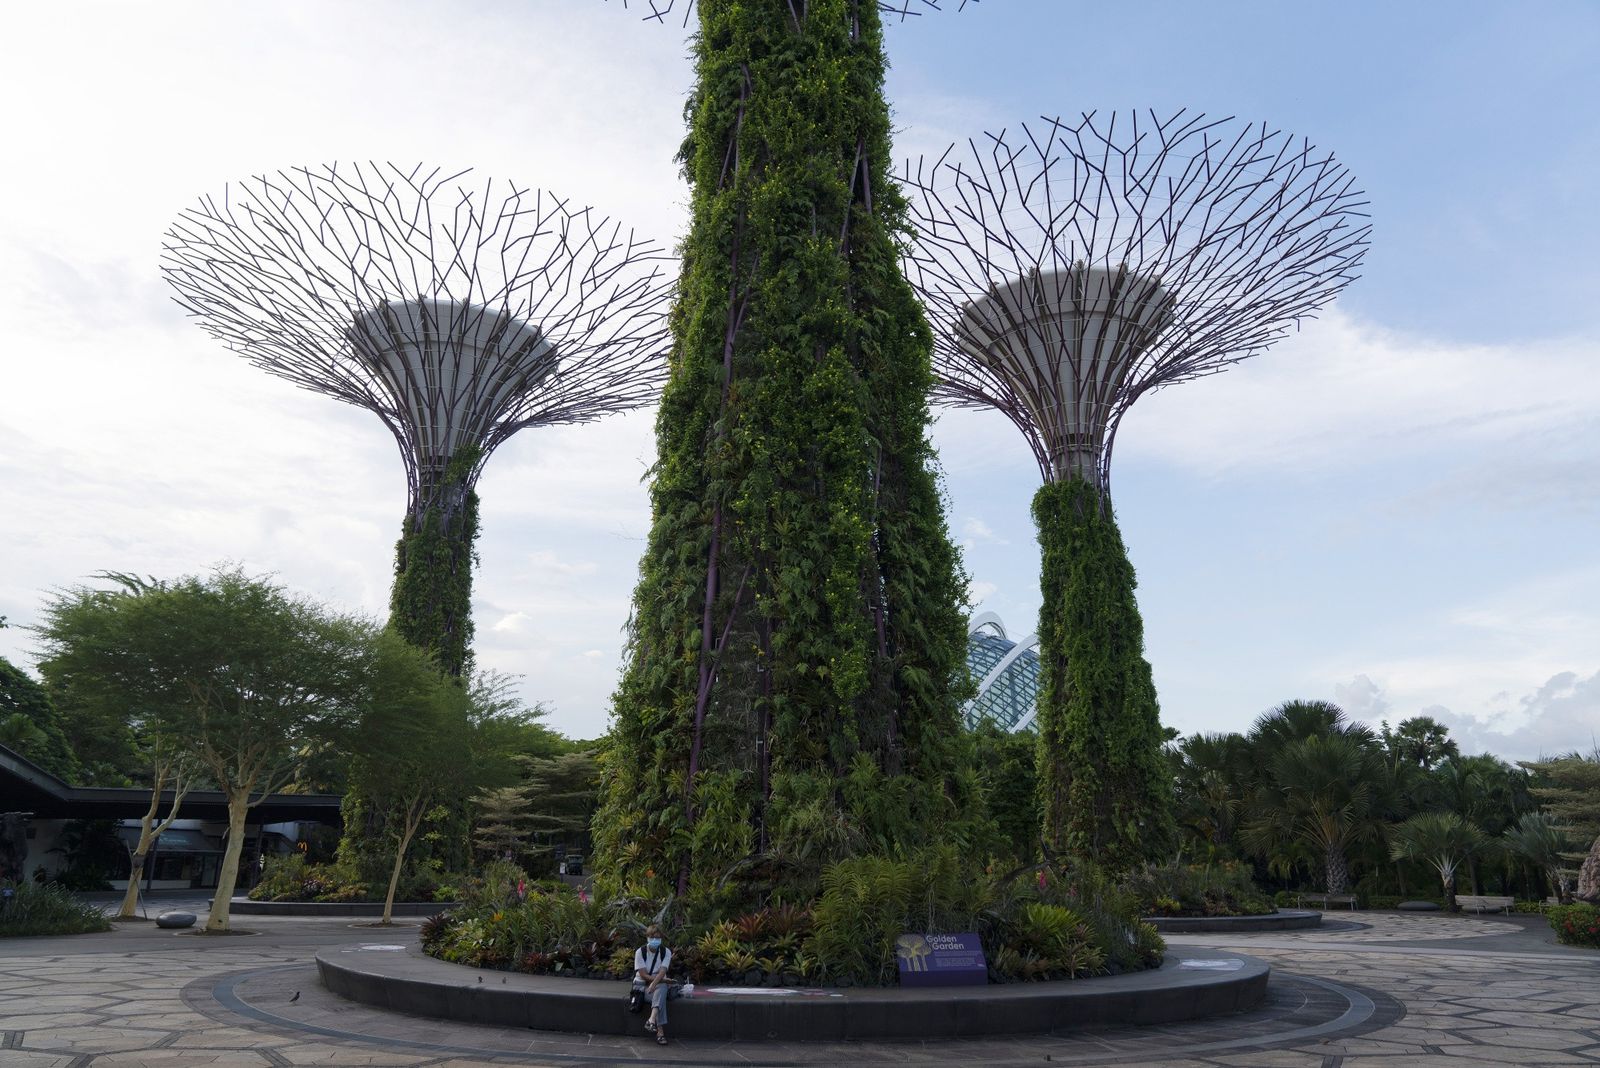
1105 790
797 649
431 602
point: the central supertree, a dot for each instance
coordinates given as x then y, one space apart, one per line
796 661
1071 267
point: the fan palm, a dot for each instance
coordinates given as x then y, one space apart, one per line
1211 774
1317 802
1444 840
1544 843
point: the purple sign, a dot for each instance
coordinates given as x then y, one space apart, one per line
941 960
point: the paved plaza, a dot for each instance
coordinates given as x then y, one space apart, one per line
1375 990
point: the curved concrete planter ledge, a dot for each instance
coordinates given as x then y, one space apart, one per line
1193 983
1282 920
243 906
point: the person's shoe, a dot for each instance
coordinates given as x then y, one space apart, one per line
661 1038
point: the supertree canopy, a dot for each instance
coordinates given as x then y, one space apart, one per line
457 314
1073 266
1069 268
796 663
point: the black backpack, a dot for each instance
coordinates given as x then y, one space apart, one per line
636 998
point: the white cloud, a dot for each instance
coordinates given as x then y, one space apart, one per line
1560 716
1344 394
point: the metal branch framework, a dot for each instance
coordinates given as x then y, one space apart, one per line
658 10
1074 265
457 314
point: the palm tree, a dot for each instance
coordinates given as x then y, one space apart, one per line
1211 774
1422 741
1542 842
1444 840
1318 802
1484 791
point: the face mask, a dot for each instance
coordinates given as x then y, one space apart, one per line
654 943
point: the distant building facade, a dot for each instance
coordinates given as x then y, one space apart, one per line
1007 673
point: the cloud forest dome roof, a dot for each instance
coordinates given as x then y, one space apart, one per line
349 279
1244 229
1007 673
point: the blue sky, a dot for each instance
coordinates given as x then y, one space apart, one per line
1395 508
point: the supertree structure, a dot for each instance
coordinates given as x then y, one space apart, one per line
1068 268
457 314
796 664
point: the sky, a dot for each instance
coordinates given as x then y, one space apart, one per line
1395 508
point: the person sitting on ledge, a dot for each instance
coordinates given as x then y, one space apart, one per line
650 964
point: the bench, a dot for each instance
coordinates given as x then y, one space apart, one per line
1480 902
1326 899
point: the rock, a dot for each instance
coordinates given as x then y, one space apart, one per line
175 919
1589 874
1418 906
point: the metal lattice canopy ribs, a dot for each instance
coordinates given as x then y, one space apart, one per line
1072 266
459 315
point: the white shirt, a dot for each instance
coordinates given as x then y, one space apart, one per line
644 956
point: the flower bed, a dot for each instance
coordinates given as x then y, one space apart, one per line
1052 924
1576 925
1173 890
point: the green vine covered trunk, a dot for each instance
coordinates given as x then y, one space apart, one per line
1104 786
797 648
431 603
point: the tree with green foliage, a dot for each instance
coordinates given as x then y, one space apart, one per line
1421 740
1211 775
1569 789
1318 801
29 724
107 734
173 768
410 748
1542 841
797 651
1009 763
1483 790
1442 839
562 793
233 668
500 732
1104 785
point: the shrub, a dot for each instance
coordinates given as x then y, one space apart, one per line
46 909
291 878
1576 925
1175 889
1063 923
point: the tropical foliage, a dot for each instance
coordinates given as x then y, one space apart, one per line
1310 800
1053 922
1104 788
1215 889
796 656
45 909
